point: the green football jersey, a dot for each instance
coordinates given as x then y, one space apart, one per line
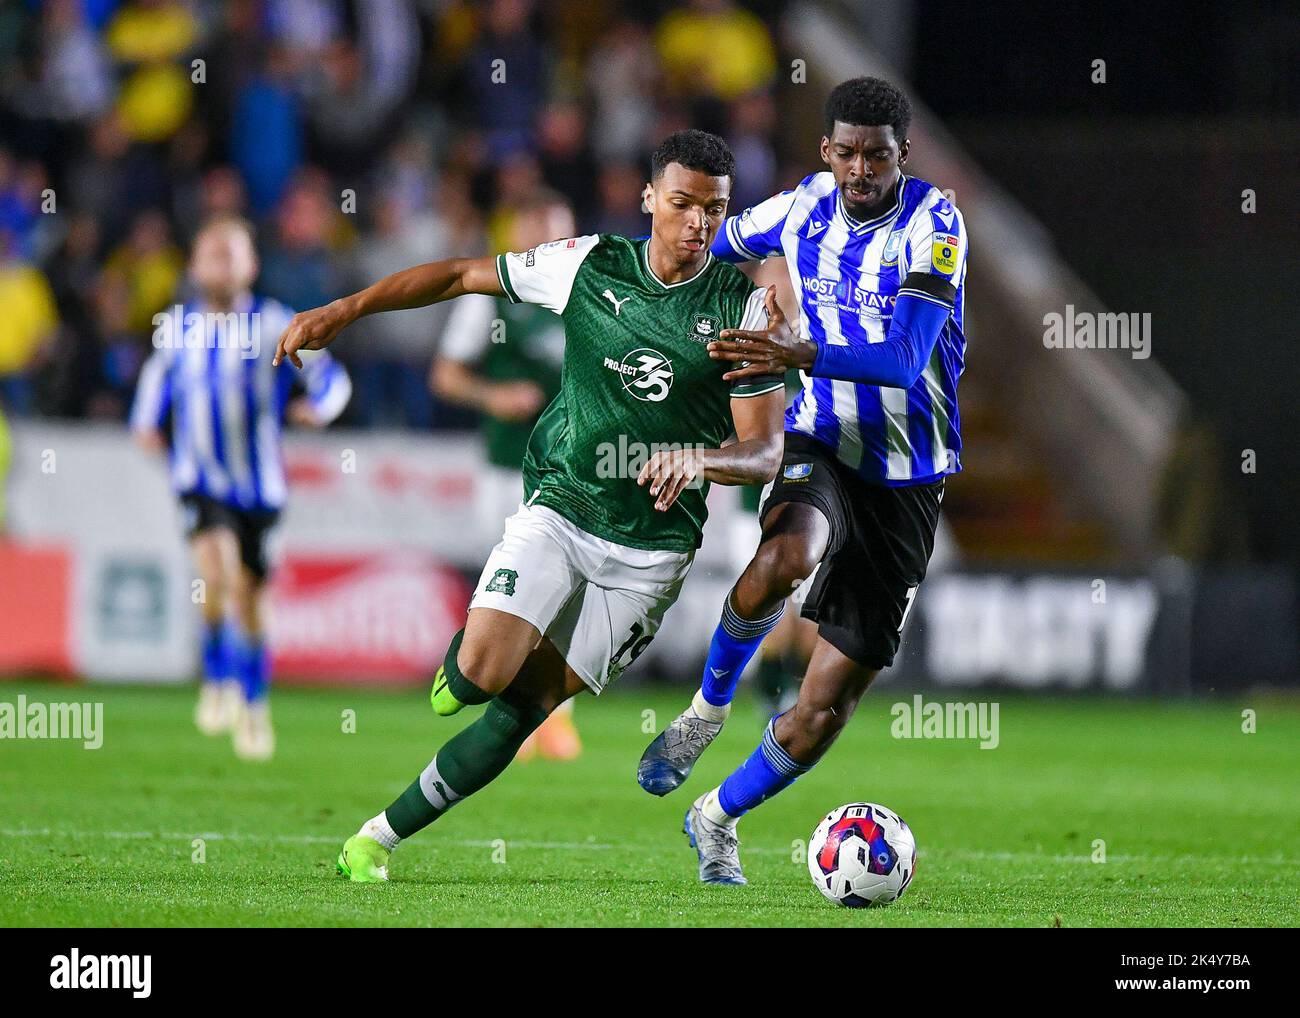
637 378
506 342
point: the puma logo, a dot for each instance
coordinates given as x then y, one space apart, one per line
618 304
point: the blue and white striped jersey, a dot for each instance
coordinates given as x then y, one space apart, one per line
847 275
227 400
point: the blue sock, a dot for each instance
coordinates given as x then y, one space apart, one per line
734 643
216 662
252 667
768 770
231 640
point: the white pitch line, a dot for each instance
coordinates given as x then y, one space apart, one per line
595 846
285 839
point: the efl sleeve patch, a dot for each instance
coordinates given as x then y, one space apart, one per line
943 254
544 274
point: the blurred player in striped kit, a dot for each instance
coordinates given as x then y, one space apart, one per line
211 375
503 360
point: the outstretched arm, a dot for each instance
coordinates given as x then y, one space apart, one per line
415 287
923 306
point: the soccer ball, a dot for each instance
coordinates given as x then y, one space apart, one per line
862 855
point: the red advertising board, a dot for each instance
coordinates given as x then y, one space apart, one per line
380 617
34 610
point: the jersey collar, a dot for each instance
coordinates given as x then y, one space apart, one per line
644 261
855 227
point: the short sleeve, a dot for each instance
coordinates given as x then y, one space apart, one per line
328 385
544 274
755 233
937 242
755 318
468 331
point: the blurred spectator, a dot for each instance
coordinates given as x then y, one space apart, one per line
753 124
620 186
506 75
153 36
266 132
149 31
223 194
28 322
390 48
303 98
187 155
76 75
518 177
20 195
298 269
346 115
565 157
148 266
121 350
408 173
623 74
73 371
304 26
389 361
717 48
114 179
357 85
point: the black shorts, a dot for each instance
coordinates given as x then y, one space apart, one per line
250 527
881 540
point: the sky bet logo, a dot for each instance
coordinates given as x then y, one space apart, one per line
74 971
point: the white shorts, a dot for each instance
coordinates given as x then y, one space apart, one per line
497 491
599 602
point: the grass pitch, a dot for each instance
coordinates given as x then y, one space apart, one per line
163 827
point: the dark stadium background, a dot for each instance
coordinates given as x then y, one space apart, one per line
1134 184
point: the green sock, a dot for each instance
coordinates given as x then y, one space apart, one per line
452 688
469 761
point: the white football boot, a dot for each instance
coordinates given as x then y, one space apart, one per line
253 736
218 706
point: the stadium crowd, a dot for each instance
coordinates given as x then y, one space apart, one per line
359 137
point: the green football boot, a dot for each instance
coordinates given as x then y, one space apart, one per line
444 704
363 860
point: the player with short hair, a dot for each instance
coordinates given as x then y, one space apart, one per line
616 473
211 375
878 260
